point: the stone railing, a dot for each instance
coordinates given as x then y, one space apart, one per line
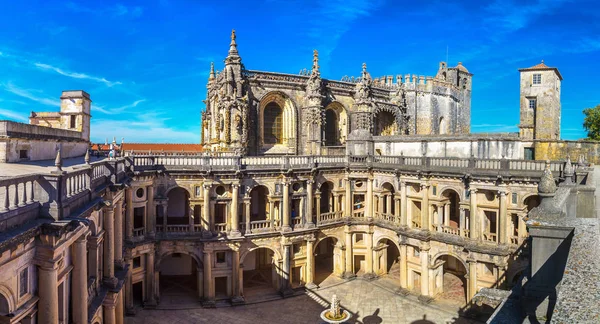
260 226
220 227
330 217
18 200
177 228
490 237
471 165
416 224
137 232
447 229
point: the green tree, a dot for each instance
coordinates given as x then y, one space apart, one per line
591 122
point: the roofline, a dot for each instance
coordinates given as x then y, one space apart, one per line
544 69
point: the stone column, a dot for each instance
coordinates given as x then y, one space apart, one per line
461 224
200 282
109 245
235 215
286 267
425 218
369 199
388 203
286 207
403 267
348 201
119 233
247 211
129 287
473 216
447 214
164 206
119 313
425 270
48 293
150 212
206 210
502 217
109 312
94 253
336 199
235 278
472 284
403 204
129 213
310 263
309 204
150 278
79 282
369 257
521 228
349 270
318 206
381 203
209 292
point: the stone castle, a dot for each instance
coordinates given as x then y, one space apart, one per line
301 180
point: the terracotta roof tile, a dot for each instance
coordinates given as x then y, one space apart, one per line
541 67
159 147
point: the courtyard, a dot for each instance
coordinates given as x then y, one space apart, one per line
369 302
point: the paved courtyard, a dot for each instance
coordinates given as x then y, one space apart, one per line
369 303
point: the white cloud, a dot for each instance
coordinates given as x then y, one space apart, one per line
117 110
75 75
12 115
29 94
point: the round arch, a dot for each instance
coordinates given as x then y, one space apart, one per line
256 187
386 185
381 237
289 118
176 186
276 253
341 127
530 201
163 255
452 254
7 302
444 189
323 238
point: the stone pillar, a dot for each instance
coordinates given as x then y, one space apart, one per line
94 253
309 204
403 204
108 308
200 282
150 212
129 213
235 278
209 291
119 233
425 270
310 263
403 267
447 214
349 269
381 203
369 199
370 273
206 210
129 287
348 201
164 206
48 293
286 207
461 224
472 284
318 206
502 217
425 218
109 244
286 268
388 203
119 313
150 278
235 215
79 282
521 228
473 216
247 212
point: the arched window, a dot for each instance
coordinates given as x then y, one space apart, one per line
273 124
442 126
385 124
332 133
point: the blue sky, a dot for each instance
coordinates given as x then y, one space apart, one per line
145 63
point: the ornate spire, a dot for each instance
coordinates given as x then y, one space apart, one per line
315 67
233 52
211 76
547 184
568 172
58 161
87 157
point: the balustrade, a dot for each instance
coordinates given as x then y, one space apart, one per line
138 231
258 226
358 214
220 227
177 228
447 229
514 240
416 224
490 237
17 192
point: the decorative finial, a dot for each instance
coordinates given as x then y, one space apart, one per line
87 157
459 63
233 53
114 139
106 141
542 61
568 172
233 36
212 71
58 161
315 56
547 184
364 67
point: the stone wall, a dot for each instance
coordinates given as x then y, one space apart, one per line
555 150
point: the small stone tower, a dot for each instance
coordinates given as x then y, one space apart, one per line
540 103
462 79
75 114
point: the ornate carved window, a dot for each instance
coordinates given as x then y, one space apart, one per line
273 124
332 134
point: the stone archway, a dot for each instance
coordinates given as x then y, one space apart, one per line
180 279
261 279
388 258
178 210
450 280
325 259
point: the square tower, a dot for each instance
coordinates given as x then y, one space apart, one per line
540 103
75 114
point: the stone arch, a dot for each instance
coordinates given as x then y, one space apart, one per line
326 236
326 188
386 260
276 252
445 188
442 126
382 236
386 121
452 254
178 202
450 278
288 117
337 113
165 254
531 201
7 301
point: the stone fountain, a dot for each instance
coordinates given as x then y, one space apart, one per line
335 314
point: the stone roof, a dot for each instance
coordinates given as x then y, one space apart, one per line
542 67
461 67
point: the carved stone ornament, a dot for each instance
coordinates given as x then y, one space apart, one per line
547 184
